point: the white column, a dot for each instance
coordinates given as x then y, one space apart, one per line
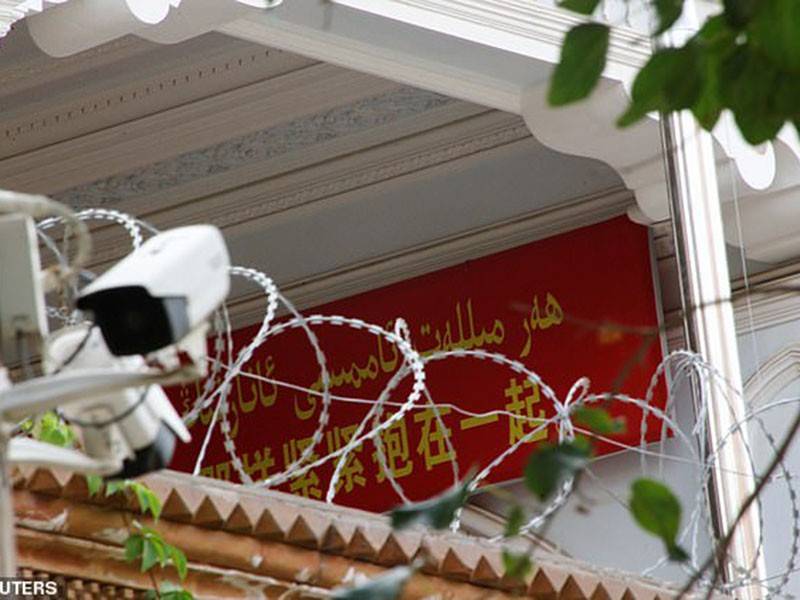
692 179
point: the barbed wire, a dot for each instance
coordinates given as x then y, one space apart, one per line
679 368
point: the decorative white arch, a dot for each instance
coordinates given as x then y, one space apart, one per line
782 369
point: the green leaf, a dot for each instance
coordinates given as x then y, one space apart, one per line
149 554
516 565
147 499
676 553
598 420
716 35
141 496
656 509
515 521
178 560
583 58
775 31
51 429
437 512
388 586
747 83
94 483
154 503
668 12
786 95
116 485
739 12
169 591
711 50
714 42
669 81
550 465
160 548
584 7
133 547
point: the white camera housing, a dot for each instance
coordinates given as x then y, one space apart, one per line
160 292
134 428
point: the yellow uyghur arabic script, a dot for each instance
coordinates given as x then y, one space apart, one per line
469 336
459 333
551 315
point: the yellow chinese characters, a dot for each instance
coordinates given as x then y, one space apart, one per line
352 473
306 484
522 399
395 451
433 444
259 465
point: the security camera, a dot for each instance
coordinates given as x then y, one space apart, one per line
160 292
134 429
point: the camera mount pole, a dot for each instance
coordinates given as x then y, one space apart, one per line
8 550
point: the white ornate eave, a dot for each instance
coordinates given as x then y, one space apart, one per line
12 11
492 52
64 27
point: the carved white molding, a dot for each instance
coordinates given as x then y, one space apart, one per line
249 206
779 371
11 11
297 135
587 129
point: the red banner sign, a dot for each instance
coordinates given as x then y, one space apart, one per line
547 304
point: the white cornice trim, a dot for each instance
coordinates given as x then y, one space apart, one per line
529 28
186 127
439 254
54 119
346 52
